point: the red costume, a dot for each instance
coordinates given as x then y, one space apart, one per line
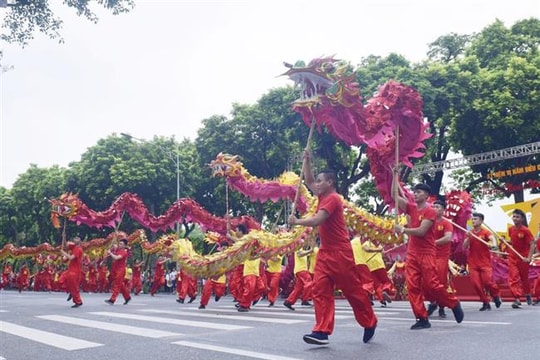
136 279
72 277
521 239
118 272
420 269
335 268
480 269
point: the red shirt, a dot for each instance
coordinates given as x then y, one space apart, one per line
521 239
424 245
479 254
120 264
441 227
333 232
75 265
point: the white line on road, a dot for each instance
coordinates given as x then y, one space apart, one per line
212 314
447 321
125 329
275 311
252 354
201 324
47 338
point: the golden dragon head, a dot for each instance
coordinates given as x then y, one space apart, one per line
226 165
66 206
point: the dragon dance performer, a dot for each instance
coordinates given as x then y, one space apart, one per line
273 276
442 232
302 280
335 266
136 277
159 275
479 263
72 276
522 241
118 273
377 268
420 269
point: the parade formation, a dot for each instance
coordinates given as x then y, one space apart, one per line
328 247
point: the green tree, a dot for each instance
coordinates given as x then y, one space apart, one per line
26 17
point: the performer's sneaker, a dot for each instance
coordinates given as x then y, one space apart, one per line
537 302
458 313
516 304
442 314
421 324
497 301
383 303
431 308
127 301
386 297
192 299
69 297
76 305
108 301
306 303
202 307
181 301
217 298
368 334
529 299
254 302
485 307
288 305
243 309
316 338
271 304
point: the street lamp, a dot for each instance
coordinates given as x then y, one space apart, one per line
175 157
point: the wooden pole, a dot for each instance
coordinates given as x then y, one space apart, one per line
396 202
504 241
308 144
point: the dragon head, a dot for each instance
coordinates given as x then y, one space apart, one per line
323 80
66 206
226 165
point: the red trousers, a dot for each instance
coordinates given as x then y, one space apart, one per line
209 287
273 285
236 282
441 268
302 287
253 288
518 277
335 269
136 285
118 285
382 283
367 279
482 280
72 283
420 275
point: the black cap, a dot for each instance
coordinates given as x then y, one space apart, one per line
424 187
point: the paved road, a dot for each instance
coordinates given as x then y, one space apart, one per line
43 326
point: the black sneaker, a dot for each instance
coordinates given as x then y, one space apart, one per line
243 309
431 308
442 314
254 302
110 302
537 302
127 301
202 307
485 307
306 303
76 305
69 297
181 301
383 303
192 299
368 334
217 298
271 304
421 324
516 304
386 297
316 338
289 305
529 299
497 301
458 313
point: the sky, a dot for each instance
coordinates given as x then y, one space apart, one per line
166 65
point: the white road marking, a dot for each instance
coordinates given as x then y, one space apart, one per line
275 311
252 354
201 324
208 314
125 329
47 338
451 321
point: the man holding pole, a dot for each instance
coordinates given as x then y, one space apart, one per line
73 273
335 267
478 242
420 270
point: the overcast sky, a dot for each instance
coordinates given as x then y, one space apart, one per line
166 65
